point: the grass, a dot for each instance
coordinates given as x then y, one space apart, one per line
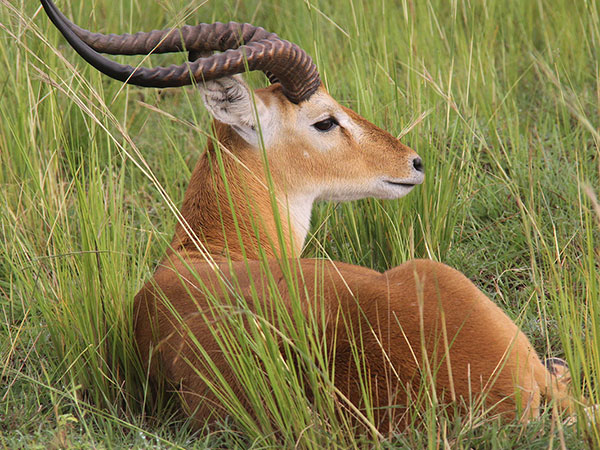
501 99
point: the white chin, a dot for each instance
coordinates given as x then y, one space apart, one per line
393 191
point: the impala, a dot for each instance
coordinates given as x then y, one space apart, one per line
421 313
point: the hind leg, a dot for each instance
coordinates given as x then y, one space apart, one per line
479 351
531 400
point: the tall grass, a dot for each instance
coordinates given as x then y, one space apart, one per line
501 99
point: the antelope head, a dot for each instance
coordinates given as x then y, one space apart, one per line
316 149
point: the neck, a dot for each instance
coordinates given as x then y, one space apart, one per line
228 208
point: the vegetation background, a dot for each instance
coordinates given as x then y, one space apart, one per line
501 99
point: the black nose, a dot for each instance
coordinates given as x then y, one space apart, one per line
418 164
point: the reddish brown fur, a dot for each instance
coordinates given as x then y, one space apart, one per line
418 305
207 211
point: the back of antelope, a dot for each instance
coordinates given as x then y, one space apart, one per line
422 323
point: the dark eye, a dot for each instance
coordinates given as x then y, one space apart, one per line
326 125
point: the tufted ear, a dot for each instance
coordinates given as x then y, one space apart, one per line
229 100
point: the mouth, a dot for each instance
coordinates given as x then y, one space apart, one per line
405 185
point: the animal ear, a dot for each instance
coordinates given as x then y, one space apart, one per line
229 100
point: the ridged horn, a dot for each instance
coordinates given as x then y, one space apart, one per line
243 45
